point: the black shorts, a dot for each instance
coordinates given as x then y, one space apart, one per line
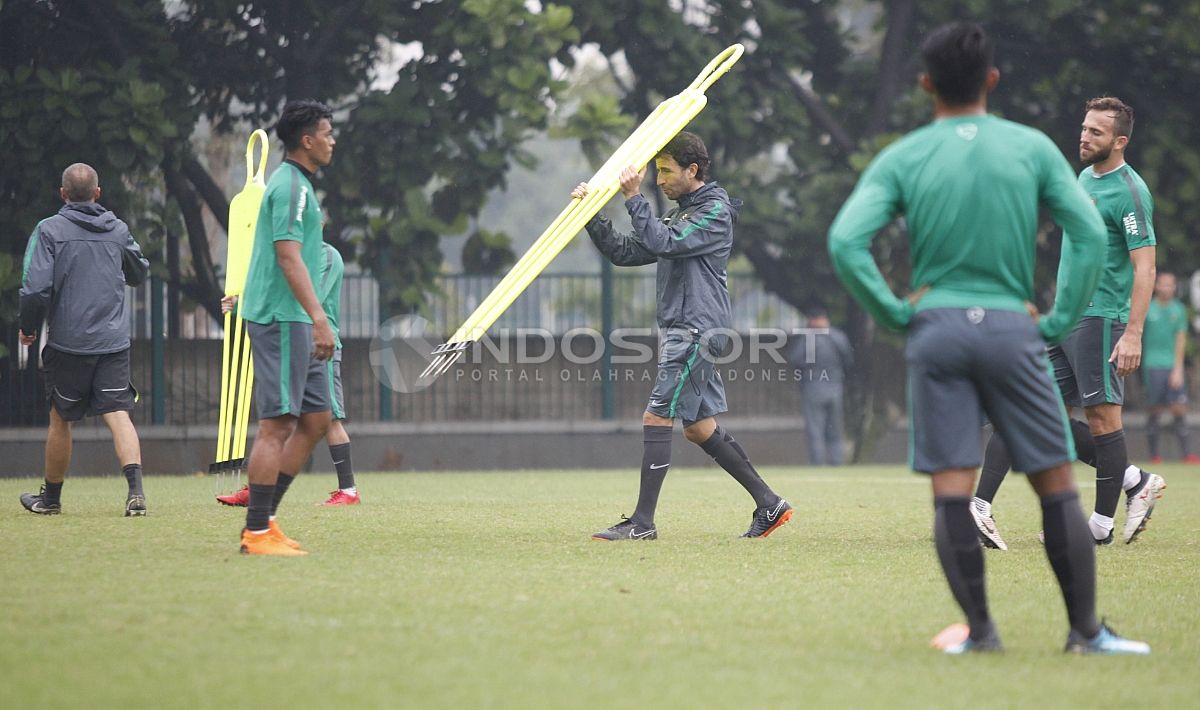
963 363
79 385
288 380
1081 365
337 399
1159 392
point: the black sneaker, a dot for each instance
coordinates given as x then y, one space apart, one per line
1105 643
38 503
627 530
135 505
768 518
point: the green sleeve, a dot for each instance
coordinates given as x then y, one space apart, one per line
30 246
287 210
1136 214
874 203
1182 321
1083 243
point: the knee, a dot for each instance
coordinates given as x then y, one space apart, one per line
651 419
1104 419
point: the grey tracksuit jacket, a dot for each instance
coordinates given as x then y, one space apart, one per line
691 244
76 266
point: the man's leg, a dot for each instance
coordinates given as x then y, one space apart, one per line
835 446
262 469
309 431
959 550
1112 461
1178 411
58 458
814 428
1069 546
1152 433
770 510
339 452
129 454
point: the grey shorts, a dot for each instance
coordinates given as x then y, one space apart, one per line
688 385
1081 365
288 380
333 369
964 364
1158 392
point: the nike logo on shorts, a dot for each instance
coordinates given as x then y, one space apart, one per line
1091 394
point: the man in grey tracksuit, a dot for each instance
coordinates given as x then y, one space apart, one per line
691 245
76 267
821 360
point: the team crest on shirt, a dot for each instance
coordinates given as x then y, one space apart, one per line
967 131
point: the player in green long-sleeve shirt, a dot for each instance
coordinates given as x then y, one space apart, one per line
969 186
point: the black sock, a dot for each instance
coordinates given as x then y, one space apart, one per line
731 457
1152 434
1181 433
656 460
1085 445
1111 461
281 486
53 492
340 453
258 510
1072 554
133 476
961 555
995 467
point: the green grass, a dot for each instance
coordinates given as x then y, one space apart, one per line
483 590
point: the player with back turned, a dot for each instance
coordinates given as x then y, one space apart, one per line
969 186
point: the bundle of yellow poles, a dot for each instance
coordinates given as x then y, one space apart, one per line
237 365
664 123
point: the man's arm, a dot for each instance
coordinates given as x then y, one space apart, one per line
707 230
873 204
620 249
37 285
1082 247
135 265
1127 354
1176 378
287 253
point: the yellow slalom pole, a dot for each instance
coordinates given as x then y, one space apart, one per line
236 363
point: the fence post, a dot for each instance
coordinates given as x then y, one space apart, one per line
158 386
607 385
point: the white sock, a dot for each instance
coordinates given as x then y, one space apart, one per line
351 491
271 518
259 532
1133 476
1101 525
984 507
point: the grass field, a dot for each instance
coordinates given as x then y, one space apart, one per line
484 590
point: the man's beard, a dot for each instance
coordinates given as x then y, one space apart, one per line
1097 156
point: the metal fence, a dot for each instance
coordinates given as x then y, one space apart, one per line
179 377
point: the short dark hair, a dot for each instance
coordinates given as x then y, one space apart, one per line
300 118
1123 121
957 58
80 181
815 309
687 148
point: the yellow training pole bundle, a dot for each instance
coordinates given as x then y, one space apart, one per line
664 123
237 368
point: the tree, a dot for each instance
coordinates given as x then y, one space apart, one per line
123 86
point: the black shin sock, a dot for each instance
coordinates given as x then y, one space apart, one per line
995 467
1181 433
340 453
281 487
656 459
53 492
133 476
731 457
1111 461
258 510
1072 554
1085 444
961 555
1152 434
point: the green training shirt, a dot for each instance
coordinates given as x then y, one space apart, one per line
289 211
1125 205
1163 323
969 188
329 288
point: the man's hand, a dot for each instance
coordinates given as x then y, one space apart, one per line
227 303
26 339
322 340
915 297
1032 311
1127 355
1175 381
580 191
631 181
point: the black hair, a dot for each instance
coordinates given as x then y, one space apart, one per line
957 58
300 118
1122 113
687 148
